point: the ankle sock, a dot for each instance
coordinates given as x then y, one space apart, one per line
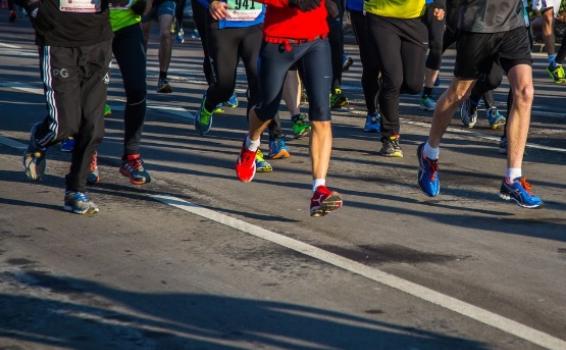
318 182
511 174
252 145
162 75
431 152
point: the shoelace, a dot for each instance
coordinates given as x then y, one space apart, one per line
137 163
80 196
433 167
281 143
526 185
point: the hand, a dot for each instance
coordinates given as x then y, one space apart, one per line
439 14
218 10
304 5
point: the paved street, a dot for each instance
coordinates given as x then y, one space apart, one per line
198 260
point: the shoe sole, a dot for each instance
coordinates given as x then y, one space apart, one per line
420 173
86 212
282 154
134 181
508 198
165 90
392 155
33 172
498 124
333 202
264 169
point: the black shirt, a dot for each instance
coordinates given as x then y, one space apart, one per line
490 16
68 29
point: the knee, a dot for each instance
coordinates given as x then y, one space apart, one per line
321 127
524 95
457 93
135 95
413 86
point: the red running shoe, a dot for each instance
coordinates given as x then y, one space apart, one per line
324 201
245 167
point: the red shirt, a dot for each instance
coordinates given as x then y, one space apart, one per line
283 22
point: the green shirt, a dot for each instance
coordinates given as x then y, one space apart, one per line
122 17
403 9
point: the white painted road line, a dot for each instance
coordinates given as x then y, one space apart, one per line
471 311
11 143
10 46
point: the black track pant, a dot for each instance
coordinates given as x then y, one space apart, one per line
129 52
226 47
562 52
401 53
368 56
73 80
200 17
435 37
180 12
336 40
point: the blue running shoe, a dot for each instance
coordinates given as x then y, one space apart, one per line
278 149
373 122
428 103
68 145
496 120
79 203
232 101
520 192
262 165
428 179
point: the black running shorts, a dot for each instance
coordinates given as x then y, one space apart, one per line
476 52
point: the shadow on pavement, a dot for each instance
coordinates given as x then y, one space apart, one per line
86 318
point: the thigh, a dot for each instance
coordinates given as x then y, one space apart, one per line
413 57
249 52
387 40
274 62
130 54
223 49
317 69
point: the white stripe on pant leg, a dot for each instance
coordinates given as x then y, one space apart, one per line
50 97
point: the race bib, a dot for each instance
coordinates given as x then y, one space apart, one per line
243 10
79 6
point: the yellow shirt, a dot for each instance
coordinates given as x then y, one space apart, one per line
404 9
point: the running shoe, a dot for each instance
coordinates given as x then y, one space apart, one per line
557 73
203 120
428 178
428 103
300 125
262 165
107 110
469 113
246 166
324 201
503 145
195 34
232 101
132 167
93 176
68 145
337 99
347 63
79 203
34 158
496 120
278 149
521 192
180 36
164 87
12 16
373 122
390 147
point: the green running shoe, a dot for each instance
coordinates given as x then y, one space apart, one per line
203 120
557 73
337 99
107 110
300 125
261 165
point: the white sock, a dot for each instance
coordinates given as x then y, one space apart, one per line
431 152
512 173
252 145
318 182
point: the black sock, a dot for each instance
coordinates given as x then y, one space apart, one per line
162 75
427 92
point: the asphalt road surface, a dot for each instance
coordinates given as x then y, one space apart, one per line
197 260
